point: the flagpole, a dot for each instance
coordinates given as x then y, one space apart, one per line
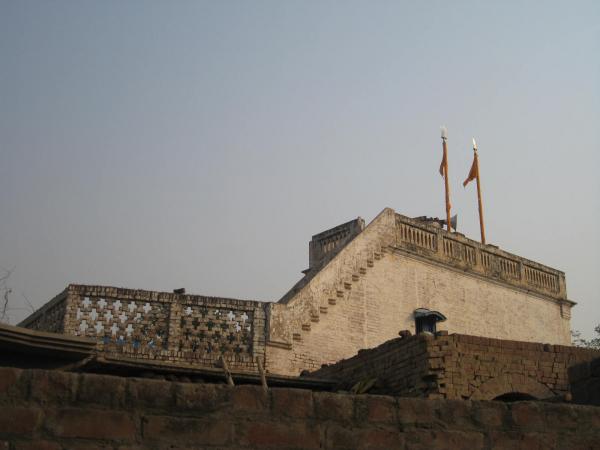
446 183
479 201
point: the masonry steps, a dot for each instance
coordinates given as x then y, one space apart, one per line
365 261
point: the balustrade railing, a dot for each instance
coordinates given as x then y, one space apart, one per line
455 249
418 236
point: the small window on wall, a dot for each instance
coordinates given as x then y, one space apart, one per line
426 320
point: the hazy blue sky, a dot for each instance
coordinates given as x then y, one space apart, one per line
160 145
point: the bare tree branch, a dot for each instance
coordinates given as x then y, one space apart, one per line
29 304
5 291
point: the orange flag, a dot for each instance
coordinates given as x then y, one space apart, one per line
473 172
443 164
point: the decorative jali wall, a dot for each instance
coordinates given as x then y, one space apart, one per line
159 325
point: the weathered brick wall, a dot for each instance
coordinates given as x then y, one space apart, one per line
50 317
322 319
585 382
399 367
163 326
369 291
362 287
51 410
483 368
473 305
461 367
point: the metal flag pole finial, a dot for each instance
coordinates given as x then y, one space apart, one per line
444 132
474 145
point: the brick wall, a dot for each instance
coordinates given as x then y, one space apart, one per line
159 325
51 316
585 382
461 367
370 289
52 410
363 286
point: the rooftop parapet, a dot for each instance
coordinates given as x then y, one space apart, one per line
324 246
163 326
454 249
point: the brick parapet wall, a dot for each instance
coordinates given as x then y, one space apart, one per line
51 316
461 367
52 410
482 368
399 366
160 325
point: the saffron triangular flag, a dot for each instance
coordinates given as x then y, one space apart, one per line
443 164
473 172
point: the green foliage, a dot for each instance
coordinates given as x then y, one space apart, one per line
587 343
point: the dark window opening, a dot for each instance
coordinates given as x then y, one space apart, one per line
426 320
514 397
425 324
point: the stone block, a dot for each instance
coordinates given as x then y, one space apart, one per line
560 416
376 409
185 430
10 384
19 420
102 390
36 444
249 399
278 435
516 440
205 398
415 411
146 393
292 403
52 387
423 439
87 445
85 424
330 406
351 438
528 416
491 415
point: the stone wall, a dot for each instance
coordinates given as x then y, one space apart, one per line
370 289
585 382
52 410
159 325
461 367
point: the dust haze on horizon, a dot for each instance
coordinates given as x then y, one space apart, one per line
160 145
